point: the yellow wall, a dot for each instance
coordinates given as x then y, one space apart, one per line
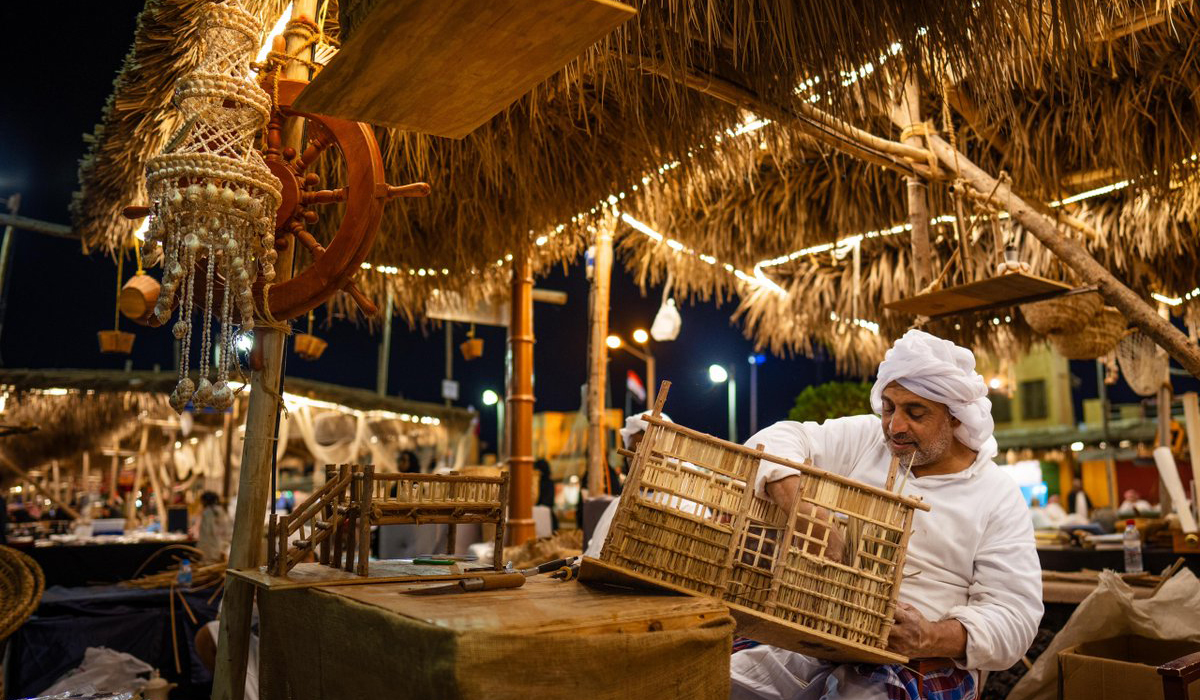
1039 363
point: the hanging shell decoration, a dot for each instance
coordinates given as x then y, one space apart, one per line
213 204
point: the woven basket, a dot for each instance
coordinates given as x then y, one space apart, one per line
21 586
1065 314
1096 339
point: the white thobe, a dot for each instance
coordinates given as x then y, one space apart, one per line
971 557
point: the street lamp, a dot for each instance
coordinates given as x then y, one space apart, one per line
718 374
755 360
641 337
491 398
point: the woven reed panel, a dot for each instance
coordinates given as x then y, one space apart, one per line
821 579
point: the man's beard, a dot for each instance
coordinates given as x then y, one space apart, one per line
919 454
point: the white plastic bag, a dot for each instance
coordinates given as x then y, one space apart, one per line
667 322
102 670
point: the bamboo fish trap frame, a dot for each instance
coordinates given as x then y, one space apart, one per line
821 580
335 521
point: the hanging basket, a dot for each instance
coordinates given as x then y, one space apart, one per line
309 346
1096 339
118 342
1065 314
138 297
472 349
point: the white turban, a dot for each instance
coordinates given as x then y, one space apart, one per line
940 371
637 424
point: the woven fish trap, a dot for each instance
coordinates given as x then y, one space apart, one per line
1096 339
821 579
1064 314
21 587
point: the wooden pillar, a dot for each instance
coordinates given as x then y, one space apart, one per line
597 453
520 402
230 424
254 479
1132 306
907 114
113 470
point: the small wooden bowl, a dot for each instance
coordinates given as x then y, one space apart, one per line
310 347
118 342
472 349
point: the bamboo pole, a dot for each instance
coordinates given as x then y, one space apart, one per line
1134 308
597 457
815 123
908 113
520 403
113 470
233 644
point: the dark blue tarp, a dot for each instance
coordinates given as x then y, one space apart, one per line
138 622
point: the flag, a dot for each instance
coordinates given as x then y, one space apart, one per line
634 384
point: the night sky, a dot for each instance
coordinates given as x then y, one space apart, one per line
61 63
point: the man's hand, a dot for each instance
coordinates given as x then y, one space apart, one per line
786 494
917 638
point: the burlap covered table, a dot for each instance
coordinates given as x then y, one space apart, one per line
546 640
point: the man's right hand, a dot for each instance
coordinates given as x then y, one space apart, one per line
786 494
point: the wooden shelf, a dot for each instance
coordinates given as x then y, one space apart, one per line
996 292
444 67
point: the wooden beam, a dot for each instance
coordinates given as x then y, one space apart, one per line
821 126
1145 19
907 111
1134 308
962 102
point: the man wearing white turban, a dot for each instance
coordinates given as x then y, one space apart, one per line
972 588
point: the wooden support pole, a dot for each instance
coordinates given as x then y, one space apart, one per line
520 402
908 113
114 468
597 453
1134 308
233 644
364 522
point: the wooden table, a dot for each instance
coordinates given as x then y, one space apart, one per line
547 639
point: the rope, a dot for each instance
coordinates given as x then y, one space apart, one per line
923 130
266 320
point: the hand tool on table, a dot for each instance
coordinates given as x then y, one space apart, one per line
478 583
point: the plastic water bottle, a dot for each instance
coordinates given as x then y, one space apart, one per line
1133 549
184 578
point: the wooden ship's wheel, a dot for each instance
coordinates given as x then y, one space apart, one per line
364 193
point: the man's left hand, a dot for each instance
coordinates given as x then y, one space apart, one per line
915 637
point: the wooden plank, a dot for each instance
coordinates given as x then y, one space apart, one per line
756 625
1004 290
310 574
544 606
444 67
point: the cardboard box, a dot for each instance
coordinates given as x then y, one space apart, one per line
1120 668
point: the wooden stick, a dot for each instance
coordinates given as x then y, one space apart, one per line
908 110
1133 307
174 637
498 550
364 533
186 608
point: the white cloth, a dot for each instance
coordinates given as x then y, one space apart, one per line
971 556
637 424
216 531
940 371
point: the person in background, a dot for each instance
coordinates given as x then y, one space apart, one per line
215 530
545 495
1054 510
408 463
1078 500
1038 513
1134 504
